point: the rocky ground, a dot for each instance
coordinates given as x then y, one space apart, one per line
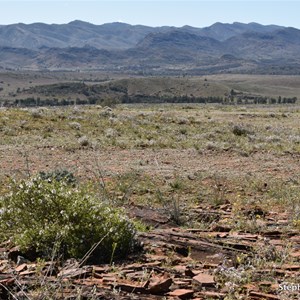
175 263
216 262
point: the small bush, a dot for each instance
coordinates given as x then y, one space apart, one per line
59 175
36 113
83 141
38 215
240 130
75 125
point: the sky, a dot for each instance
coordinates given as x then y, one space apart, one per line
197 13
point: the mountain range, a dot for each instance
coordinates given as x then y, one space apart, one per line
120 47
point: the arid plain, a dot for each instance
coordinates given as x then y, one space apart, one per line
213 187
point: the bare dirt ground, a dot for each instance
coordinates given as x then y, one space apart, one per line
157 162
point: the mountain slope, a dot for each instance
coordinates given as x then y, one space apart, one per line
74 34
222 32
282 43
177 46
122 47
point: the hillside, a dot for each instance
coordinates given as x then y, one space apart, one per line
63 88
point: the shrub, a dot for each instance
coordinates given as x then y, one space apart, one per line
39 215
59 175
83 141
36 113
75 125
240 130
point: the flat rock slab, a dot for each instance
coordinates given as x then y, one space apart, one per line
204 280
295 254
290 267
259 295
21 268
182 293
160 286
131 288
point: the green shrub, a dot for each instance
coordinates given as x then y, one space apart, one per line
240 130
39 215
59 175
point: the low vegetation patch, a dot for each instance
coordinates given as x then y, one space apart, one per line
43 213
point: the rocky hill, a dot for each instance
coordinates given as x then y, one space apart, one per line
220 48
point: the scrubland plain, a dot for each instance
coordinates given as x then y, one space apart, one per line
212 190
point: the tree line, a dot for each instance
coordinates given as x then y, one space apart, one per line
227 100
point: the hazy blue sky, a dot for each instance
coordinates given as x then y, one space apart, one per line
154 13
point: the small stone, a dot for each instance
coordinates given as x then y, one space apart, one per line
191 177
27 273
182 293
21 268
211 295
179 269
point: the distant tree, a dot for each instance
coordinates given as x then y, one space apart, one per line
279 99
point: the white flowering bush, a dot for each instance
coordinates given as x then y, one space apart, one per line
38 215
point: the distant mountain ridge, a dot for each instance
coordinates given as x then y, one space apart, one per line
122 47
107 36
74 34
222 32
